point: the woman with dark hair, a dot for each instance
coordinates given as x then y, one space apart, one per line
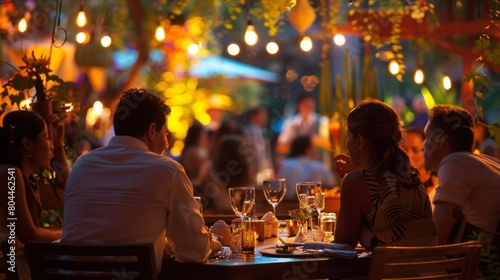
382 199
415 139
195 151
229 168
26 147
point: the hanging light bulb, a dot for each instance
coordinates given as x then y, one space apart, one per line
251 36
106 41
98 108
233 49
81 37
393 67
306 44
446 82
23 25
339 40
81 18
272 48
160 32
419 76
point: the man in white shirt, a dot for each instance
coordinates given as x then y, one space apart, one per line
127 192
468 191
307 122
261 157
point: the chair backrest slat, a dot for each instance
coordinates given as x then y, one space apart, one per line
455 261
81 261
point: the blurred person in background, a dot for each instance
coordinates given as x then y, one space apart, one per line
195 151
483 141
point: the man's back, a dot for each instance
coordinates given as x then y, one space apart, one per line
123 193
473 183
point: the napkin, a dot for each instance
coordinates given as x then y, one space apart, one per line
337 250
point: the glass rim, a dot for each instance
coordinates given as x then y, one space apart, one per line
310 183
274 179
242 188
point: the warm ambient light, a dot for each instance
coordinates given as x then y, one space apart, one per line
106 41
306 44
233 49
339 40
393 67
81 18
446 82
272 48
23 25
419 76
251 37
98 108
193 49
81 37
160 33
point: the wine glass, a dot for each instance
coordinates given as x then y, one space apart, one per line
309 194
320 206
242 200
274 191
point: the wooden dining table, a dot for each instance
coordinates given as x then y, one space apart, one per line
259 266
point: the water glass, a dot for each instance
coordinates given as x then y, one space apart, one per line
328 224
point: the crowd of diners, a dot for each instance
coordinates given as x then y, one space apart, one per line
130 192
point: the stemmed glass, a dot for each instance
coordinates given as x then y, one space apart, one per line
242 200
274 191
320 206
310 195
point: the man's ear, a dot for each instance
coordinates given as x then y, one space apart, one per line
361 142
151 131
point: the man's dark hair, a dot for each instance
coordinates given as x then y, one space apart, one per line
303 97
457 125
136 110
299 146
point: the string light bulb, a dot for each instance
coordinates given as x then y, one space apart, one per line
446 82
419 76
81 18
233 49
160 32
251 36
81 37
393 67
106 41
306 44
22 25
339 40
272 48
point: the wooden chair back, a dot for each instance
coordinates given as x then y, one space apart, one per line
454 261
60 261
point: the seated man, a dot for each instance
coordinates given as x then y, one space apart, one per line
468 191
127 192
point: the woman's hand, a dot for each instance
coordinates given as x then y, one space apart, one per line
57 131
343 165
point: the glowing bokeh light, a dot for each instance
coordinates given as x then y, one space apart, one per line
81 37
272 48
23 25
233 49
339 39
419 76
393 67
106 41
193 49
446 82
306 44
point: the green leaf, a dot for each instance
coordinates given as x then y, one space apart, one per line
16 99
483 43
494 56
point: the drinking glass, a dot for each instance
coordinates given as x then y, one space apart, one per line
274 191
242 200
320 205
309 194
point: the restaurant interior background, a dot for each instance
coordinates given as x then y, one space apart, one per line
195 54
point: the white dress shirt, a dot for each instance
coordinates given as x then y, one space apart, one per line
123 193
